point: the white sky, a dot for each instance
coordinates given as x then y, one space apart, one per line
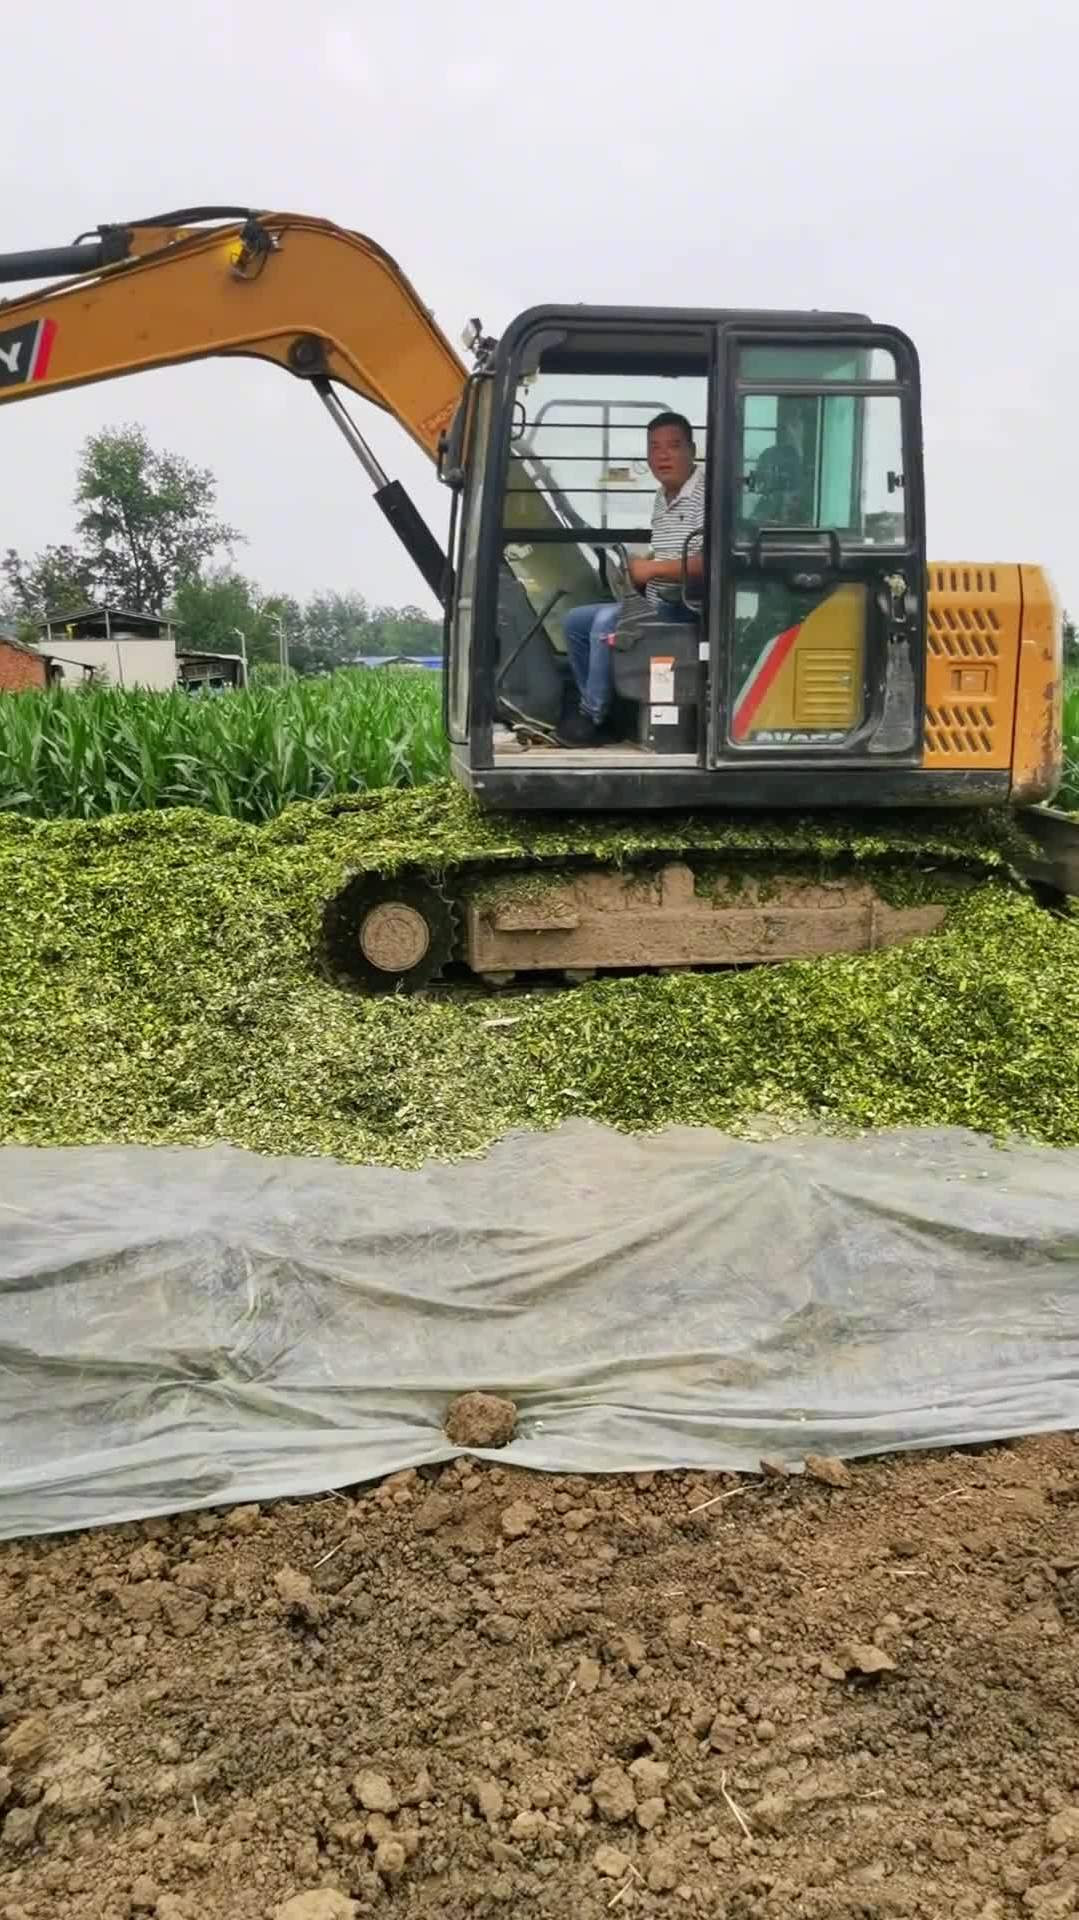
919 162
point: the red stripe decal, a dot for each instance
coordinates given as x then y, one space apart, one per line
751 698
46 334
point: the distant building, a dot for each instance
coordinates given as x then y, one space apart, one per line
210 672
122 648
432 661
24 669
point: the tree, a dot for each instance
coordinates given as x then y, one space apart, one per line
338 626
1071 642
147 520
54 581
403 630
213 610
149 535
326 633
285 617
335 629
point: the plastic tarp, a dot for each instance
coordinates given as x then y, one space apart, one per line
187 1327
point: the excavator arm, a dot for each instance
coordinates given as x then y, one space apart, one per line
325 304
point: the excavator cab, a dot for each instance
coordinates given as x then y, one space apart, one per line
800 653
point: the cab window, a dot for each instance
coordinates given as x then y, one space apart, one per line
460 661
578 479
580 444
823 459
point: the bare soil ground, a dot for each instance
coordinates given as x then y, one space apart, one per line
478 1692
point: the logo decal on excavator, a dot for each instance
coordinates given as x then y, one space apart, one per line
25 351
434 423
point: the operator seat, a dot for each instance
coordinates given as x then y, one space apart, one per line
656 664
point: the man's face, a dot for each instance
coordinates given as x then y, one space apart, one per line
670 456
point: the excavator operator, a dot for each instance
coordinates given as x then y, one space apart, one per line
677 512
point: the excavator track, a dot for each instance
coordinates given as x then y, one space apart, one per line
523 920
1055 863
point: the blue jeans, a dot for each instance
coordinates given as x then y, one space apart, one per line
587 630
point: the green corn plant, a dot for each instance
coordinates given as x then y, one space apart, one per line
246 754
1068 797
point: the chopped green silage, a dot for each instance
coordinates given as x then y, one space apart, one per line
439 829
159 982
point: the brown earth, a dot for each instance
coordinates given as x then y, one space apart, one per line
479 1691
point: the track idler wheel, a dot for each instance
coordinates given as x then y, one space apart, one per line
388 936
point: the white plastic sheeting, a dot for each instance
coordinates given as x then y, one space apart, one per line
183 1327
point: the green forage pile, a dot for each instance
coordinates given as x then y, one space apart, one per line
160 981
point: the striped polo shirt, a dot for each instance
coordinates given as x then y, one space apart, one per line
674 520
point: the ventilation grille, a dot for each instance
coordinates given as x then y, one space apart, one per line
964 633
963 580
824 688
959 729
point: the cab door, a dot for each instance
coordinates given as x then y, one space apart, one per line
817 571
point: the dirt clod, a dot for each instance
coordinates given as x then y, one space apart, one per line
420 1792
490 1800
20 1828
323 1903
299 1601
612 1792
828 1470
650 1812
772 1812
611 1862
868 1660
1063 1829
242 1519
23 1745
1052 1900
518 1519
145 1895
588 1674
651 1776
374 1792
390 1858
578 1518
434 1512
185 1612
480 1420
662 1873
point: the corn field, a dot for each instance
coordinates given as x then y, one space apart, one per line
248 755
1069 793
80 755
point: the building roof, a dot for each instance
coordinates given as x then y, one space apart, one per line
97 620
396 660
23 646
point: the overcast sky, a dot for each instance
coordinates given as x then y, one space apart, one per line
918 161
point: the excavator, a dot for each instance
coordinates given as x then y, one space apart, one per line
809 656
